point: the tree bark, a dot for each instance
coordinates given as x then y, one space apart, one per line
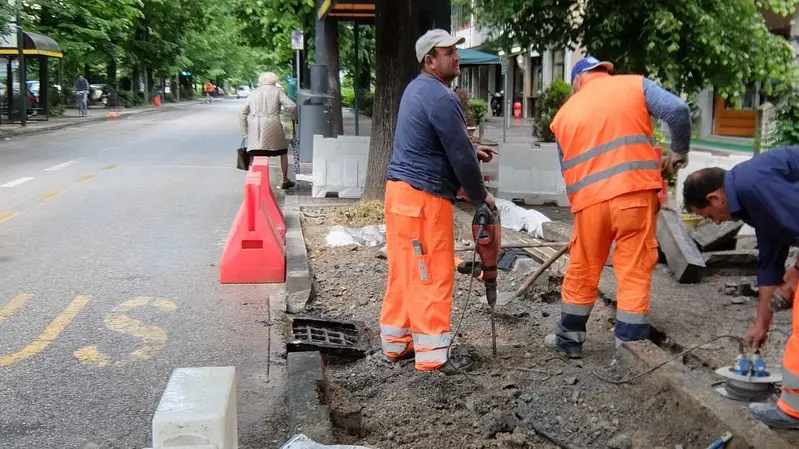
396 23
333 79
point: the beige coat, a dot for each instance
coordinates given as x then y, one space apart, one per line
260 118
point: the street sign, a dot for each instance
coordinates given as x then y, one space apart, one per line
296 40
504 61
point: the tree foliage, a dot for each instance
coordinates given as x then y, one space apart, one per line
686 44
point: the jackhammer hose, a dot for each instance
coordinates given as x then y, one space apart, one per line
736 338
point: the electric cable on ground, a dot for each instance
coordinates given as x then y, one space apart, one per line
736 338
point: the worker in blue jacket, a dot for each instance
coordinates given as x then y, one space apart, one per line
764 193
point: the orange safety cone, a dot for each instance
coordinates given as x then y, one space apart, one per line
260 165
254 252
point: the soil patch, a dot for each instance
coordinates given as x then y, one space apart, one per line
504 399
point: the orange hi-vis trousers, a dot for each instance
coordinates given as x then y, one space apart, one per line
418 300
789 399
630 220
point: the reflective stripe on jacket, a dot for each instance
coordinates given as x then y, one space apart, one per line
605 133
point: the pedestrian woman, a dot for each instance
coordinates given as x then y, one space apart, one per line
260 122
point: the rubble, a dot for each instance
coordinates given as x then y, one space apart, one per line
683 257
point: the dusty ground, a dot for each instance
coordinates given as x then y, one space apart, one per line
504 398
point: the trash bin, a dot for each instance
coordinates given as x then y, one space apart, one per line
316 113
291 90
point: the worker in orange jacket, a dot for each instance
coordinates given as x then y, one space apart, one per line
612 174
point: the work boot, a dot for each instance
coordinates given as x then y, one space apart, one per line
552 341
772 416
457 364
287 185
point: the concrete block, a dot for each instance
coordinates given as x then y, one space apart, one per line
339 165
531 175
198 407
299 281
712 237
731 263
682 256
306 390
557 231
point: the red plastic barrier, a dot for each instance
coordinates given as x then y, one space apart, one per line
254 252
260 165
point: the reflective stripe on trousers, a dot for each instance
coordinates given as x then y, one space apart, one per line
573 319
395 340
632 326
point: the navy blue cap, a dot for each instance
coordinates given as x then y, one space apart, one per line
589 63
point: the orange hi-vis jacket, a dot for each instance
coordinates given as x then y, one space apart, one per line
605 133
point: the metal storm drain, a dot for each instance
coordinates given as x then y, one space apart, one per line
336 338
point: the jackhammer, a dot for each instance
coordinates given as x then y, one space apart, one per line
488 240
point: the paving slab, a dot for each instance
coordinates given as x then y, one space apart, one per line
683 257
710 236
731 263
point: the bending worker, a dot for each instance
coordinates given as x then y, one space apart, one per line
613 174
764 193
432 159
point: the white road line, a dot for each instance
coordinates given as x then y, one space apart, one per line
60 166
16 182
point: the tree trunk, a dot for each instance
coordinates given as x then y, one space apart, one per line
396 24
333 79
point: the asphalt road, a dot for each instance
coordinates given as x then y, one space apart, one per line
110 236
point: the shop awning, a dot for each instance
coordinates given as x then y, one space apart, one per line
347 10
476 57
33 44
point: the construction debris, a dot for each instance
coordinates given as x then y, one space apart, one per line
683 257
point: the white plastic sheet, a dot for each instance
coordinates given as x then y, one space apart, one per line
302 442
369 236
520 219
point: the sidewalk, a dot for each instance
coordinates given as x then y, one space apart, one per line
70 118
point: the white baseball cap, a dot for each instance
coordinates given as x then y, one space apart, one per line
435 38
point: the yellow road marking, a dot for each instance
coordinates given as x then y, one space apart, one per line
50 333
85 178
15 304
5 216
50 195
110 167
153 336
91 356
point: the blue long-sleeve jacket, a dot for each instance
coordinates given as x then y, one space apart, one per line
668 107
764 193
432 151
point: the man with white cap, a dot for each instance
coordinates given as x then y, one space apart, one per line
613 174
432 159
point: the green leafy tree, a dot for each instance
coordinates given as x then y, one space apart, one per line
686 44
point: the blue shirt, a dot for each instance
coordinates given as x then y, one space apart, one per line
668 107
764 193
432 151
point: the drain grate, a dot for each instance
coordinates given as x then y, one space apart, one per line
333 338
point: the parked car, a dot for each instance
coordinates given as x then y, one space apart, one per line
242 91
